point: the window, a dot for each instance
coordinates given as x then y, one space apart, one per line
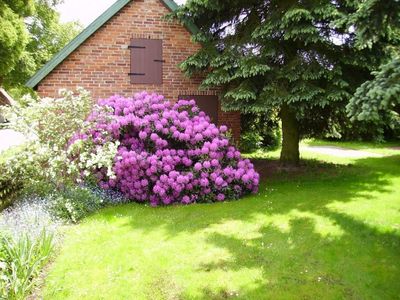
206 103
146 61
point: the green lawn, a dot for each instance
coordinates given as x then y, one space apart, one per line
331 233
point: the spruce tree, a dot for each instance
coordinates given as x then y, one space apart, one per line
377 25
295 56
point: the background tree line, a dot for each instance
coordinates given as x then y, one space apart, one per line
30 34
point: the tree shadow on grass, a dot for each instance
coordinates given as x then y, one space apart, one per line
300 243
311 193
363 263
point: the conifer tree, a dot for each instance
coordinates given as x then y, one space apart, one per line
377 24
295 56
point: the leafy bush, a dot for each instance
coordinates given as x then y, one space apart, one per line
166 153
50 121
74 203
260 130
250 142
9 185
20 262
49 124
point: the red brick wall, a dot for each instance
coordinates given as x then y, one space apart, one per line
102 63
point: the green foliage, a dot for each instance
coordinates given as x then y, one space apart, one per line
379 97
376 101
13 36
250 142
50 124
375 21
47 36
74 203
20 262
264 125
50 121
271 54
26 167
10 184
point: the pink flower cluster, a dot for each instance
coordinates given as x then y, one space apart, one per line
170 153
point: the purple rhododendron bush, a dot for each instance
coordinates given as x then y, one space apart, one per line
165 153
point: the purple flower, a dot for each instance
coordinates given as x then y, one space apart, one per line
154 137
198 166
219 181
166 151
206 164
185 200
220 197
204 182
214 163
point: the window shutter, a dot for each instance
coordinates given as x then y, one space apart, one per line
146 61
207 103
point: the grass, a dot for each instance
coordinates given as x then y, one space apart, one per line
331 233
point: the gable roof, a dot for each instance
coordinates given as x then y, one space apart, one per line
86 33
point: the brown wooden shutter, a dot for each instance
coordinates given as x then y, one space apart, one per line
208 104
146 61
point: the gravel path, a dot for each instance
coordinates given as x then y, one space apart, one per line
341 152
9 138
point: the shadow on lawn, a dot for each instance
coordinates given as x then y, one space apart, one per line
311 192
352 260
365 264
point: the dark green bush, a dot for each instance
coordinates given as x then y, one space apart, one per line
260 130
250 142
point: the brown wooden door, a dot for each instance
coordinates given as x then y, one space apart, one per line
206 103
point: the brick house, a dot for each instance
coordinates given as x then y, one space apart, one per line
128 49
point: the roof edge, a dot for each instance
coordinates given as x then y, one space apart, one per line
76 42
89 31
173 6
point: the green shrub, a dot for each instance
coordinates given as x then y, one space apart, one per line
260 130
24 169
20 262
9 186
250 142
74 203
49 123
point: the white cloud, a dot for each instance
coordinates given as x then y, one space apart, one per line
86 11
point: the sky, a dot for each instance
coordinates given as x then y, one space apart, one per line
86 11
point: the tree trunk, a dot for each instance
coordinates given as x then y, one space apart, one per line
290 154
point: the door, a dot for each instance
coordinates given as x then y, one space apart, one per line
207 103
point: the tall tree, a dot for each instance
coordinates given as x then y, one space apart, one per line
13 36
47 35
294 56
377 24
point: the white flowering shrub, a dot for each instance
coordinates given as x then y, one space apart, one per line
49 124
50 121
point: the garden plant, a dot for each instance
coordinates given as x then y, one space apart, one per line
155 151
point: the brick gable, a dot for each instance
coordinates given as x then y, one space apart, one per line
101 63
